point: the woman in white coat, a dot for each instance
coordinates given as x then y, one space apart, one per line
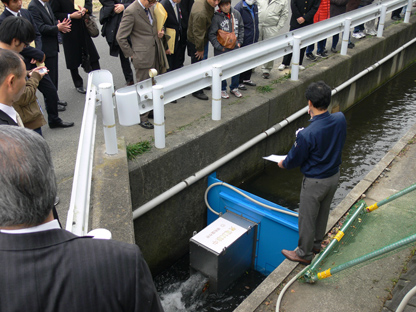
272 17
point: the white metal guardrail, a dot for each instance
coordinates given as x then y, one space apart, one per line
155 93
100 83
140 98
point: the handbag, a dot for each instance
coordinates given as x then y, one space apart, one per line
91 26
227 39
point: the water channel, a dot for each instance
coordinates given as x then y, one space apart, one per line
374 126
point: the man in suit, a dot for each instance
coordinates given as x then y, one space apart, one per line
51 268
12 84
146 50
110 17
176 57
32 56
49 28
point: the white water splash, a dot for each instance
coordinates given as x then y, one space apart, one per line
186 296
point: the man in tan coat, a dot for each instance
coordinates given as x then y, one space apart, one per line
146 50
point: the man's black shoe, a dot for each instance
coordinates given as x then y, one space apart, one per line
61 124
63 103
81 90
61 108
146 125
201 96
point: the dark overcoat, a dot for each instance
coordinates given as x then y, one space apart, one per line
77 40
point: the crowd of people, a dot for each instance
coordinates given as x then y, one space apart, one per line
133 34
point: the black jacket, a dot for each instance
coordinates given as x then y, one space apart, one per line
46 24
305 9
111 22
6 119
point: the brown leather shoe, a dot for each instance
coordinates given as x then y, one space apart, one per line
293 256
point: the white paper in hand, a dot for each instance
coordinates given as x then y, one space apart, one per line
275 158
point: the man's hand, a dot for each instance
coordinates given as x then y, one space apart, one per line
64 26
300 20
39 71
280 164
199 54
118 8
168 52
76 15
160 34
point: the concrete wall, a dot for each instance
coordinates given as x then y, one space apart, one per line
163 233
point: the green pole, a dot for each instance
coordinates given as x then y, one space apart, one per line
374 254
392 197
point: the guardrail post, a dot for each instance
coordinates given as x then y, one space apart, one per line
216 92
382 20
408 11
295 58
159 116
345 36
109 121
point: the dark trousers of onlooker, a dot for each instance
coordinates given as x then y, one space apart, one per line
335 39
234 83
315 201
245 75
321 47
48 89
77 79
191 53
288 57
52 64
177 59
126 68
396 13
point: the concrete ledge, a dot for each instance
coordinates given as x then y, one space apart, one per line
111 199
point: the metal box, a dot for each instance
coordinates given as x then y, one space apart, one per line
224 250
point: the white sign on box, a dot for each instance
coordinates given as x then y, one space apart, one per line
219 235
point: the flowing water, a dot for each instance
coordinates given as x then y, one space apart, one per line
374 126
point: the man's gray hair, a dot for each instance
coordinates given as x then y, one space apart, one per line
27 177
10 63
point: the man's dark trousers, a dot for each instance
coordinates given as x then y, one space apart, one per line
315 201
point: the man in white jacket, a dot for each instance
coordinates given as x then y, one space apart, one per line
272 17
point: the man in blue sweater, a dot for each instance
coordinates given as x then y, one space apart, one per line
317 151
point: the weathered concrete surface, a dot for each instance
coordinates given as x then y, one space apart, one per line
163 233
110 206
368 287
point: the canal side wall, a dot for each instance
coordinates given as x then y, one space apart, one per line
163 233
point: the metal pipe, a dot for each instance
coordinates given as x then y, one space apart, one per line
295 58
109 120
369 256
215 165
408 11
207 170
391 198
216 92
159 116
382 21
346 36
